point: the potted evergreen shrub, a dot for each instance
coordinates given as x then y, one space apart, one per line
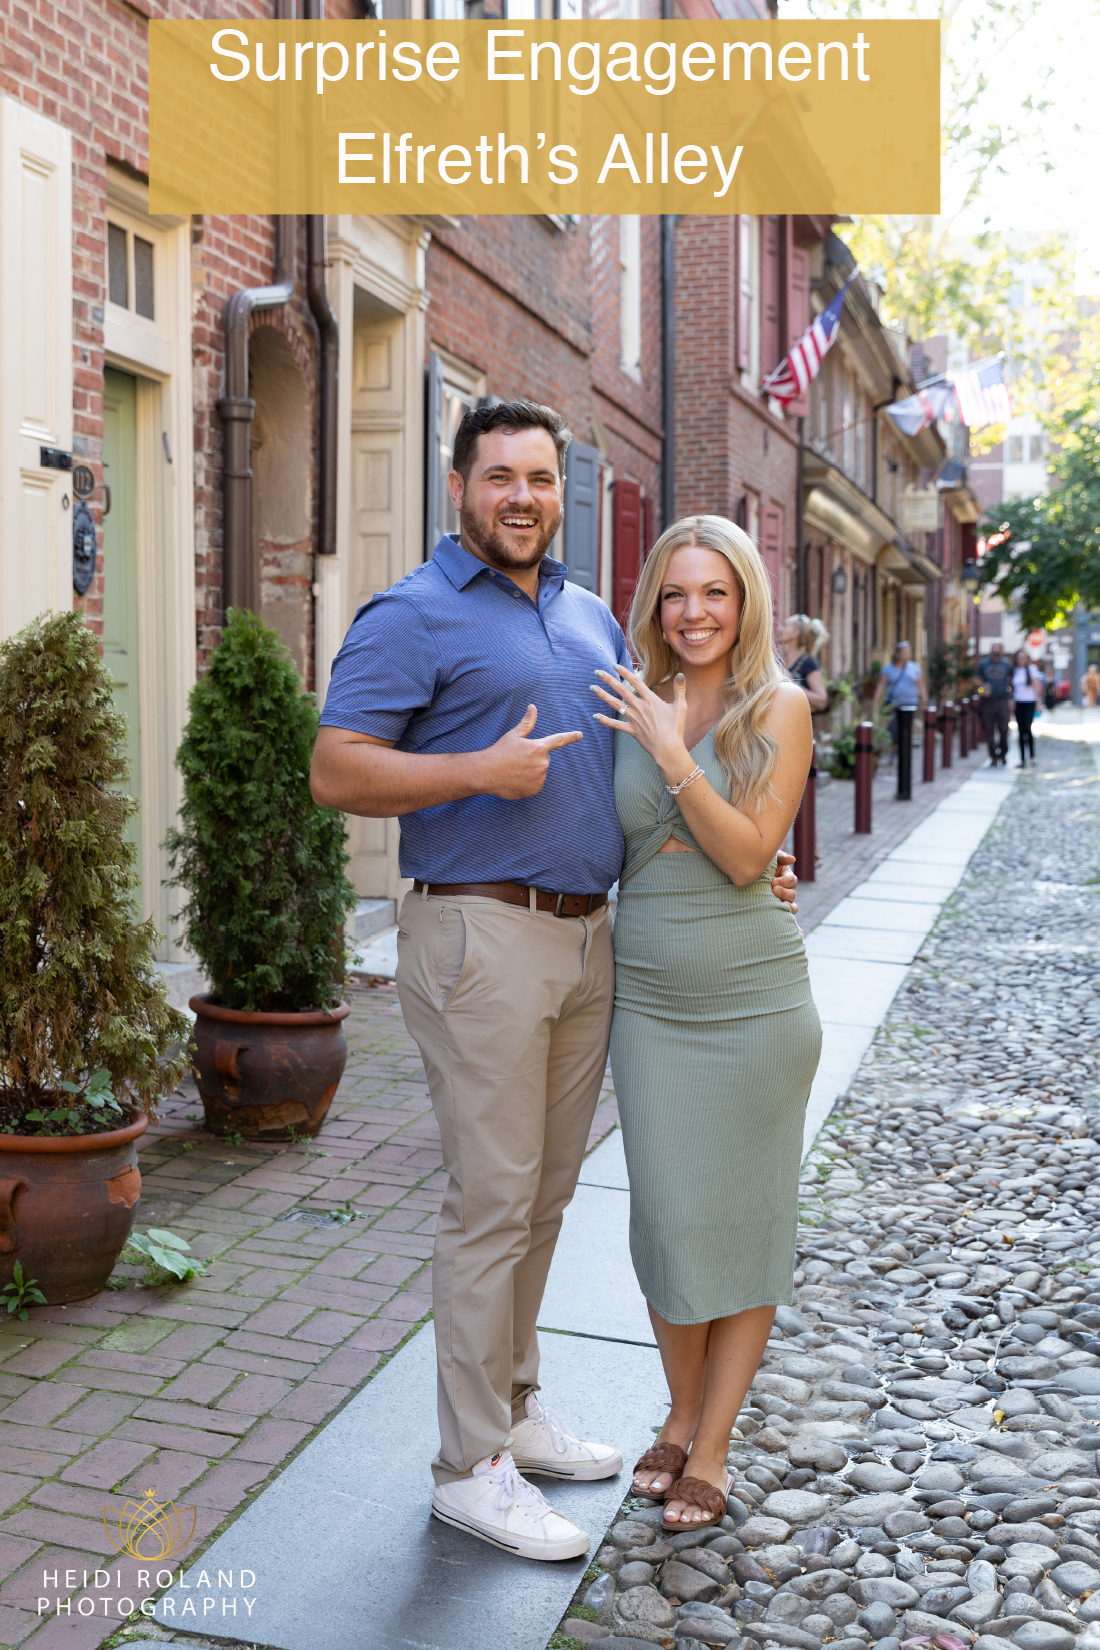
86 1032
263 868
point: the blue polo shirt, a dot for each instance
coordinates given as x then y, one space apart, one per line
448 660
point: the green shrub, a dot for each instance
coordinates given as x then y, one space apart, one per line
262 864
841 760
85 1027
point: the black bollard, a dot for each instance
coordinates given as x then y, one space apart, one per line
905 755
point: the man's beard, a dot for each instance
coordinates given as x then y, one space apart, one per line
497 551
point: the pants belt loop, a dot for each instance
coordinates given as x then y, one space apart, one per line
560 901
532 900
424 891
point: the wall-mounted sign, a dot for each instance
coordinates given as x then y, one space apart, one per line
920 510
83 481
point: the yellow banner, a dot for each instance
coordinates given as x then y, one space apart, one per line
524 117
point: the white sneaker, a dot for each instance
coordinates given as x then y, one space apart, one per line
500 1507
543 1443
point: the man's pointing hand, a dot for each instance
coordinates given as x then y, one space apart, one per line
516 766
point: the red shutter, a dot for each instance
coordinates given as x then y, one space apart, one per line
744 292
626 545
771 293
647 526
771 548
798 310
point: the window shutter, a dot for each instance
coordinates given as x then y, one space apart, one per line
647 526
433 469
798 309
771 293
36 364
627 545
744 292
771 548
582 516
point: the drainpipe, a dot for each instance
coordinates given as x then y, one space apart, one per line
325 318
327 326
237 410
668 368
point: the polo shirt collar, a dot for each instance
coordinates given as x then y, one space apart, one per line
462 568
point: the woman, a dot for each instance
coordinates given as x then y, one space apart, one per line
800 639
1090 687
715 1039
900 685
1027 684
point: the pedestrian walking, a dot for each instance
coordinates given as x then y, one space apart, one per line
1027 685
715 1039
505 972
800 640
900 687
1050 696
994 675
1090 687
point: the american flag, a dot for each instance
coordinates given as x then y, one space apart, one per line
983 398
797 371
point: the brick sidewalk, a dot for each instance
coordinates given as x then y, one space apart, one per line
206 1390
847 859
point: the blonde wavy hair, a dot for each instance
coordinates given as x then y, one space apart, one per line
811 634
743 745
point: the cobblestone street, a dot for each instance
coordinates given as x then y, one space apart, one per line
918 1457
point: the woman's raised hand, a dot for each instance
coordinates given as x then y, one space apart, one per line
657 724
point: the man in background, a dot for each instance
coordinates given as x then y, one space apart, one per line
994 675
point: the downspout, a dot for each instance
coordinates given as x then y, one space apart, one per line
327 327
237 410
668 369
325 317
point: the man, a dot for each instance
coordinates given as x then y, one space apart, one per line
995 676
505 970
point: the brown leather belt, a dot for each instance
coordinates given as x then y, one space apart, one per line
517 893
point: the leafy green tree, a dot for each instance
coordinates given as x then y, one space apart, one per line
1044 557
85 1026
262 864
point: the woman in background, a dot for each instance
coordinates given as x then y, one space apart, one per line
800 640
715 1038
1027 684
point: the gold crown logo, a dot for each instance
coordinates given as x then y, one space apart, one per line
149 1529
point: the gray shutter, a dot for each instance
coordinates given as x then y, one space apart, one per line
582 516
433 430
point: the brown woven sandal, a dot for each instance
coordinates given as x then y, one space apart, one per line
697 1493
661 1458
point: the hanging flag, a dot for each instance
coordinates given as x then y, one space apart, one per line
983 397
797 371
928 406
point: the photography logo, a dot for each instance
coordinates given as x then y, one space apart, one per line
149 1529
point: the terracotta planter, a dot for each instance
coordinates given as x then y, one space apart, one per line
67 1204
262 1075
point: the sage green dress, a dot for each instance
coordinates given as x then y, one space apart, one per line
714 1046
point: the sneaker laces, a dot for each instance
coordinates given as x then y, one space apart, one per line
513 1490
560 1435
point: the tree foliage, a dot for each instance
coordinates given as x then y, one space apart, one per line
262 864
1045 554
79 996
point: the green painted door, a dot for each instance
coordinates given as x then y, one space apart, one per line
120 596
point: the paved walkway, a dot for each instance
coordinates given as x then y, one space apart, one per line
207 1393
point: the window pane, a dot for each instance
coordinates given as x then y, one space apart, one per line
1015 449
118 285
143 277
1036 449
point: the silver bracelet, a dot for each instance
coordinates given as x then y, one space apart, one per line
674 790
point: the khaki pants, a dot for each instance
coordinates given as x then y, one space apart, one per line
511 1010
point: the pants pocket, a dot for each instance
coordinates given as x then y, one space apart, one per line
451 954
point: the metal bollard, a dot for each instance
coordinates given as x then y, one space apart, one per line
929 744
805 827
948 752
964 730
865 772
975 722
905 756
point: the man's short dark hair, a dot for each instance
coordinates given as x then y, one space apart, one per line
510 416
